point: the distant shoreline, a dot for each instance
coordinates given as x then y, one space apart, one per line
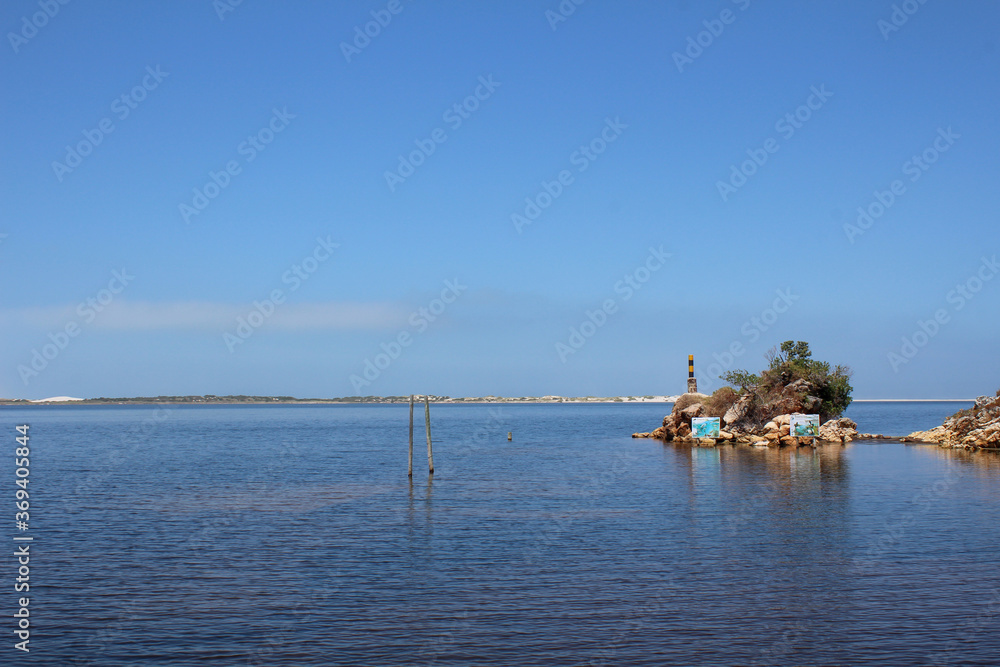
211 399
397 400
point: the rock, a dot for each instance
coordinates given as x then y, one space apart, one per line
838 430
738 411
692 411
983 401
988 437
788 440
963 424
803 392
794 398
660 433
726 435
936 435
784 429
685 409
799 387
770 426
642 435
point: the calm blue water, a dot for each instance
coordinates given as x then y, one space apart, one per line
899 419
291 536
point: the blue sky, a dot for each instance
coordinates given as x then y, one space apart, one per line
697 170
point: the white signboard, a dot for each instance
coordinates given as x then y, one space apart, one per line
705 427
804 426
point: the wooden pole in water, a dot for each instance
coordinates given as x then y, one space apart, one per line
427 420
411 437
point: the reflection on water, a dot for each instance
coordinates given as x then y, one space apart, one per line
795 461
729 470
982 461
777 496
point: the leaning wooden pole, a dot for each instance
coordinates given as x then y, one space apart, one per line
411 436
427 420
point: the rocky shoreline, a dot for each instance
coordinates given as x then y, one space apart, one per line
975 428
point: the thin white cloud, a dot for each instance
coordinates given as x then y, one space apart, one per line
121 315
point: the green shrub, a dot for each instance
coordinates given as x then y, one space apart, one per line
792 362
745 380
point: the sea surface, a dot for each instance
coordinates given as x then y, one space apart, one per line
291 535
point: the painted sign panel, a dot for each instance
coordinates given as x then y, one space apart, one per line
804 426
705 427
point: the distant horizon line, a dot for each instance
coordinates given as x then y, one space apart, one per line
547 398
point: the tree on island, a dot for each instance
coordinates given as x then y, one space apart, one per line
792 376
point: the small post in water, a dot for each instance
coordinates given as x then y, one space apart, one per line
427 419
411 436
692 380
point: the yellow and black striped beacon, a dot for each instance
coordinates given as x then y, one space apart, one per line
692 382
